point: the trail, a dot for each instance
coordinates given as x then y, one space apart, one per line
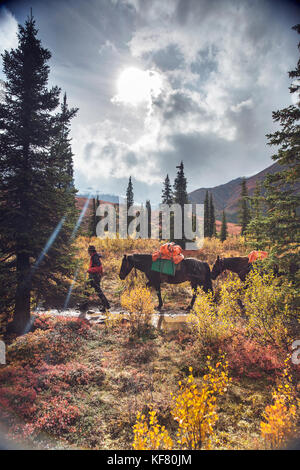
167 319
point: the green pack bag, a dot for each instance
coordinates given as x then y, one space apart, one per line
164 266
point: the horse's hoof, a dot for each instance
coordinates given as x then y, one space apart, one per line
158 308
188 308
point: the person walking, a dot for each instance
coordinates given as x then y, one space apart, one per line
95 273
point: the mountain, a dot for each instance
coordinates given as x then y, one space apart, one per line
226 196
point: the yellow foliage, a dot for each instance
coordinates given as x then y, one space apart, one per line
194 409
150 436
280 417
138 302
268 307
208 324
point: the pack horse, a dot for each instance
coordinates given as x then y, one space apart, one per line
190 269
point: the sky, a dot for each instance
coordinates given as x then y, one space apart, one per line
157 82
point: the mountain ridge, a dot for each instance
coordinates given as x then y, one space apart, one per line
226 196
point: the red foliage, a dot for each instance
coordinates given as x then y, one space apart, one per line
246 357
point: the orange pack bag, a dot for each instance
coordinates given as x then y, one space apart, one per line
255 255
169 251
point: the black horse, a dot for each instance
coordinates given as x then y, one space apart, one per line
239 265
189 269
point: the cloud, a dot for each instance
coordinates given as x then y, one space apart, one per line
223 70
8 30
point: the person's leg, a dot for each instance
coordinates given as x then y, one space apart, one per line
96 285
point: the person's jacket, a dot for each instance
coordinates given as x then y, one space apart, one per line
95 265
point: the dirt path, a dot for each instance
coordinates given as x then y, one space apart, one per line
167 319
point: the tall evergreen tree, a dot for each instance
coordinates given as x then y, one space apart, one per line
206 216
257 228
244 210
34 192
129 194
129 200
181 196
93 219
224 232
148 208
167 195
283 225
212 219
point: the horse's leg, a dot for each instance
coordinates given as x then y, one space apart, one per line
194 287
160 302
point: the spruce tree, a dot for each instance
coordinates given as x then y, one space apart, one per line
129 194
257 228
224 232
283 225
167 196
206 216
181 197
93 222
148 208
33 187
244 210
212 219
129 200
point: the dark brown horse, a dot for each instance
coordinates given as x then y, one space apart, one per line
239 265
190 269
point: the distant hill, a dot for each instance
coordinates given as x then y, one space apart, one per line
226 196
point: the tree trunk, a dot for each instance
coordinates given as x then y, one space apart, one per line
21 320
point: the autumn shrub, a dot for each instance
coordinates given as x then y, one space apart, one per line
150 436
18 392
194 409
269 307
55 415
208 324
68 375
249 358
280 418
229 302
235 244
138 302
45 343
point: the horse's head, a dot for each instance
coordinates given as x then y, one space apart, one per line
126 267
218 268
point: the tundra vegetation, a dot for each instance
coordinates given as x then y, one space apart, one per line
224 381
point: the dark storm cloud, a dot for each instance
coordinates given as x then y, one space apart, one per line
177 103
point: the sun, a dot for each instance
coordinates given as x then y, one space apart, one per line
136 86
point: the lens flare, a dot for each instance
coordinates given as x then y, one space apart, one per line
79 220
